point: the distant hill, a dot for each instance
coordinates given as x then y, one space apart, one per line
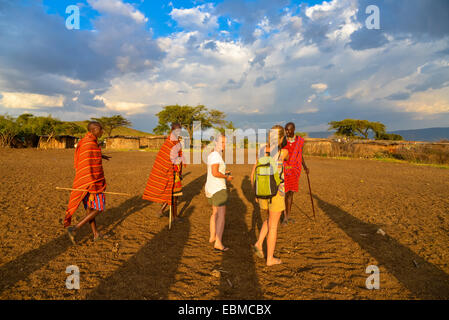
120 131
431 134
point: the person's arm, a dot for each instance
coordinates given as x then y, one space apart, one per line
174 154
253 172
217 174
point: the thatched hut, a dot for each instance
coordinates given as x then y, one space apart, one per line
123 143
57 142
153 142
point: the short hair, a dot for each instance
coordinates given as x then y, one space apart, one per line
176 125
219 135
93 124
290 124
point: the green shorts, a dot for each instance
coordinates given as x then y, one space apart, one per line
219 199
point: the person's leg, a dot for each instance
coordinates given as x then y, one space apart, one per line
288 206
263 233
163 207
213 221
221 213
175 207
273 221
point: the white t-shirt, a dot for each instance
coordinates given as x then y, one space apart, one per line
214 184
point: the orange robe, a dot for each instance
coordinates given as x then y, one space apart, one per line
89 174
165 178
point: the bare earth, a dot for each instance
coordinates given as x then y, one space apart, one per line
142 259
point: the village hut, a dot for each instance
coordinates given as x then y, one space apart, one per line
123 143
57 142
152 142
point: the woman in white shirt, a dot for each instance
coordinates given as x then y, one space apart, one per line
217 193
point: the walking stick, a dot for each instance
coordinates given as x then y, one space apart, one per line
113 193
311 198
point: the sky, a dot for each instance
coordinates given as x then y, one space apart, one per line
262 62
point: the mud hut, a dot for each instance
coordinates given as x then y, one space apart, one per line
152 142
123 143
57 142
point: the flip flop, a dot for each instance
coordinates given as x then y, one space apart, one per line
71 234
221 250
258 252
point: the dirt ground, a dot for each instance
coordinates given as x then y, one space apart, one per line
142 259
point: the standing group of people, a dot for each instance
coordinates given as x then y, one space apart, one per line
284 150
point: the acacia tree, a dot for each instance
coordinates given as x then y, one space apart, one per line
186 115
357 128
111 123
8 130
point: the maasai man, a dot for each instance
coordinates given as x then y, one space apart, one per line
164 184
292 167
89 177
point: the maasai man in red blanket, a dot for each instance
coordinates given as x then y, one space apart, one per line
292 167
90 179
164 184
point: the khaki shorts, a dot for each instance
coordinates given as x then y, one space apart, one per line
277 203
219 199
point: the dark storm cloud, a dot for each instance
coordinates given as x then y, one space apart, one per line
38 54
399 96
250 13
422 20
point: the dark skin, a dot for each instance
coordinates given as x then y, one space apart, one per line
92 213
290 132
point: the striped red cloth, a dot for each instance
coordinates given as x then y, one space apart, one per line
161 183
89 173
293 166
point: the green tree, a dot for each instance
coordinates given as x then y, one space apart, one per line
357 128
111 123
186 115
8 130
391 137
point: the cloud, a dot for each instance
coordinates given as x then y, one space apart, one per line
18 100
197 18
319 87
119 8
418 20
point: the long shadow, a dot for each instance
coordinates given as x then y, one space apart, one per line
256 218
21 267
239 279
426 281
151 272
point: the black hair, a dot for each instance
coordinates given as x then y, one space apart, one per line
290 124
176 125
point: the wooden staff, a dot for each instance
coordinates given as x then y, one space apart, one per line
113 193
311 198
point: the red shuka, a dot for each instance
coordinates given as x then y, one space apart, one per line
89 173
293 166
161 183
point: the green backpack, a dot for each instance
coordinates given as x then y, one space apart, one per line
266 178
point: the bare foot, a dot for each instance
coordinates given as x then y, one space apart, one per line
258 251
273 261
211 239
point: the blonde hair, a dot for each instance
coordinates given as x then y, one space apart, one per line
281 134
